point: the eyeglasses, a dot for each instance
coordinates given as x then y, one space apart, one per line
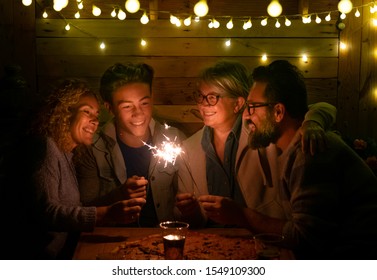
251 106
210 98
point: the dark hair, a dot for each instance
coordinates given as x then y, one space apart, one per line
119 75
285 84
231 76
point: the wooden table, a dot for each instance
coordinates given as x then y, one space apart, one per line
106 239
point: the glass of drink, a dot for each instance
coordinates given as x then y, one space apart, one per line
267 246
174 237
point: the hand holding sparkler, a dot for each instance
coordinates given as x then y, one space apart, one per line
134 187
187 204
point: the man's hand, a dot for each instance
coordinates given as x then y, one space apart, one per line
134 187
187 204
313 137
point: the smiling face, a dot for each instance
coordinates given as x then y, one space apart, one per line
84 121
220 115
132 108
261 123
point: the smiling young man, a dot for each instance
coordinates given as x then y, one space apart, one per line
330 199
119 165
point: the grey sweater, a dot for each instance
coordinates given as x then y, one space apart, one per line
58 201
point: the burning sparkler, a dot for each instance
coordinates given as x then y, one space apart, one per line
167 151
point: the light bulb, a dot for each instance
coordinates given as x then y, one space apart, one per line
328 17
264 22
304 58
274 9
227 43
96 11
77 15
264 57
210 24
80 6
121 15
345 6
187 21
178 23
229 25
277 24
27 2
132 6
114 13
343 46
67 27
60 5
102 46
201 8
357 13
375 22
173 19
318 19
143 42
287 22
216 24
342 15
45 15
245 25
197 19
144 19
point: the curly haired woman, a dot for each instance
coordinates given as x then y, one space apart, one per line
69 120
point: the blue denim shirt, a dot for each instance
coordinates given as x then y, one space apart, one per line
221 178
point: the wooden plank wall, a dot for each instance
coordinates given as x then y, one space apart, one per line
357 95
179 54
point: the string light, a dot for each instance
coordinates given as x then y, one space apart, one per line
304 58
274 9
143 42
173 19
264 22
178 22
102 46
45 15
77 15
342 46
264 57
287 22
132 6
187 21
27 2
343 16
60 5
345 6
216 24
229 25
113 13
277 24
96 11
67 27
201 8
121 15
374 22
144 19
328 17
247 24
318 19
228 42
80 6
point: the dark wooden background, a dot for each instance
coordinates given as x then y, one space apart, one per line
345 78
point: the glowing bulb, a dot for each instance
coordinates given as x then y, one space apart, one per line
96 11
357 13
274 9
345 6
144 19
277 24
67 27
216 24
264 57
45 15
143 42
201 8
306 19
197 19
80 5
372 9
328 17
343 46
102 46
121 15
264 22
229 25
210 24
27 2
287 22
173 19
132 6
304 58
114 13
60 5
77 15
187 21
375 22
227 43
318 19
178 23
342 15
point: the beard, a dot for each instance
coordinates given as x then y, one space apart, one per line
265 135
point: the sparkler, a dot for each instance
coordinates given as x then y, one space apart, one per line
167 151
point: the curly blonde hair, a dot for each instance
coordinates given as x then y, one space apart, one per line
59 109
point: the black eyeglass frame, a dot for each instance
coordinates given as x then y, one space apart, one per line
199 98
251 106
